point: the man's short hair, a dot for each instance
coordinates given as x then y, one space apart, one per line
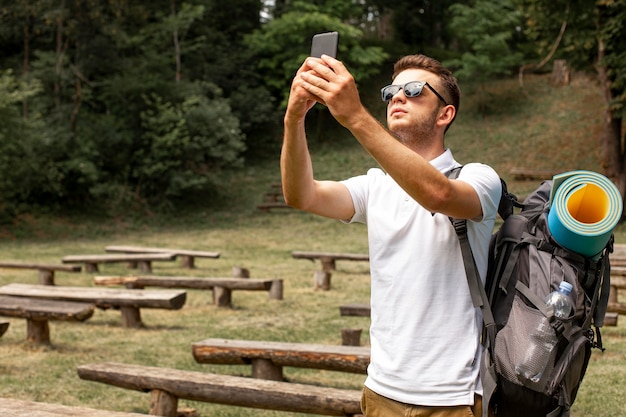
448 86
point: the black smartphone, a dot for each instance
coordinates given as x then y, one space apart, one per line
325 43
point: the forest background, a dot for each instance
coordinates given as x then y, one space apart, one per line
118 108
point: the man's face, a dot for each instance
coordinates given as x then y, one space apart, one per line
413 119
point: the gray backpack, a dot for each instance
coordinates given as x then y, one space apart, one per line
525 265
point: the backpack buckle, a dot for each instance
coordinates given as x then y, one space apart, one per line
460 226
558 326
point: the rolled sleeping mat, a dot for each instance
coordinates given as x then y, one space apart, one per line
585 207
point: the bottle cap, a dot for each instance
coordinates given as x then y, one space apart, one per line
566 287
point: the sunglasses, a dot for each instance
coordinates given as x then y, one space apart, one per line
411 89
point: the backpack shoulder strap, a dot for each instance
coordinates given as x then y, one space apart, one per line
476 287
479 299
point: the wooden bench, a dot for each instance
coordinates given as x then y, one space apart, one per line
46 271
167 386
128 301
618 282
266 207
187 256
38 312
222 287
20 408
355 309
269 358
618 257
273 199
144 260
523 174
329 259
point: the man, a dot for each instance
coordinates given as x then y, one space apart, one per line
425 333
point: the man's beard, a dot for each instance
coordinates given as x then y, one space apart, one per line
419 134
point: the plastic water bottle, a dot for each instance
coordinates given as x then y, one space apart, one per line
543 339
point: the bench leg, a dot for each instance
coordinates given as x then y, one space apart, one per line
351 337
328 264
266 369
163 403
4 325
37 331
91 267
321 280
131 317
276 290
46 277
187 262
222 297
145 266
241 272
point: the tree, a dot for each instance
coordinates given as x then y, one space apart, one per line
485 30
281 46
120 82
594 39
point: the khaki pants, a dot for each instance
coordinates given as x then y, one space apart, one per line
374 405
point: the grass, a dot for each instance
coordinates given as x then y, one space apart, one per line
545 128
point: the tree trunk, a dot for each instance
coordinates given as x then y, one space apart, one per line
611 140
26 67
560 73
176 41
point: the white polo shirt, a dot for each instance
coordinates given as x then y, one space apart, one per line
424 332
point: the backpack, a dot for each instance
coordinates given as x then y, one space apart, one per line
525 264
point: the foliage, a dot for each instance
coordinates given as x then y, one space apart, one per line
131 104
593 40
283 44
612 30
486 30
120 116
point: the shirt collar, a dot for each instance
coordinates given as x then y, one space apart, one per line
444 162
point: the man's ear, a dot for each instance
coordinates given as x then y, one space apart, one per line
446 114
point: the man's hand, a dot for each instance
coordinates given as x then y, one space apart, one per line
328 80
300 99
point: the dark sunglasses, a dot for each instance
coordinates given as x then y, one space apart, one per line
411 89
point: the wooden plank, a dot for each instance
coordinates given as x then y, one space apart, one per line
226 389
618 281
144 249
359 310
330 255
20 408
618 261
268 206
533 174
619 308
48 267
250 284
317 356
102 297
106 258
34 308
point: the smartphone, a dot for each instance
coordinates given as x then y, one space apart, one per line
325 43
